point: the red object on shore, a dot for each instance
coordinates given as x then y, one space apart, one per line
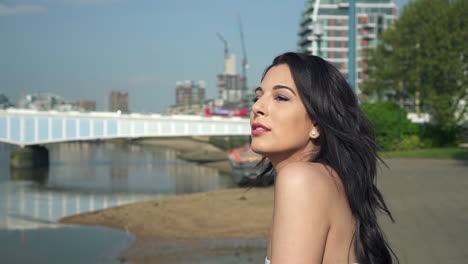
245 154
244 164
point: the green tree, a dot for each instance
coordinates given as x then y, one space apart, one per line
391 126
424 56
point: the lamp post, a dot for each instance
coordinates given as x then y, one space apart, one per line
352 44
318 32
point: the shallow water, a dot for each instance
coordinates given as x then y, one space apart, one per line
84 177
65 244
225 251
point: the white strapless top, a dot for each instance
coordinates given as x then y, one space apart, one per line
268 261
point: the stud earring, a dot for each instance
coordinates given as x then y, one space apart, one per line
314 133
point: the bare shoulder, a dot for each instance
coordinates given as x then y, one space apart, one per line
308 176
305 194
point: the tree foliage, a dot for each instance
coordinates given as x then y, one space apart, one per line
393 130
424 55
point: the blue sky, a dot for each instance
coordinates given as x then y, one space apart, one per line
82 49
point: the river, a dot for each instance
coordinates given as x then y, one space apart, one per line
85 177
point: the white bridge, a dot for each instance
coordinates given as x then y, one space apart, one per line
30 127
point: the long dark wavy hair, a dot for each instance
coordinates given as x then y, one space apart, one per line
346 144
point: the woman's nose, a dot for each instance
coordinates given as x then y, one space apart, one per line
258 108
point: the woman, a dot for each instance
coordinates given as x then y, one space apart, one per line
307 122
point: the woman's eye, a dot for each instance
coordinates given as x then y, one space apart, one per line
281 98
255 99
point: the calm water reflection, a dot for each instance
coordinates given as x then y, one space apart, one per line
89 176
63 245
85 177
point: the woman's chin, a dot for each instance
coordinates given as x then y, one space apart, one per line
259 150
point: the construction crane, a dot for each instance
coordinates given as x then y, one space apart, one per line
245 64
226 45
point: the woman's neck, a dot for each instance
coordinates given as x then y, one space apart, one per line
280 160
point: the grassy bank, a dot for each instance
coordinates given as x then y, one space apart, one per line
431 153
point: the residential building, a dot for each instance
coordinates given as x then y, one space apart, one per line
231 86
45 102
86 105
324 30
191 109
190 92
119 101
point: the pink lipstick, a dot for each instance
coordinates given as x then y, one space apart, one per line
259 129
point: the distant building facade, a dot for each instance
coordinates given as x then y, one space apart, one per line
191 109
118 101
231 86
190 92
210 107
46 101
327 36
86 105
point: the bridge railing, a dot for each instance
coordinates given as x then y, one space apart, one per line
30 127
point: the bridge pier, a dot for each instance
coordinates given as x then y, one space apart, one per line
29 157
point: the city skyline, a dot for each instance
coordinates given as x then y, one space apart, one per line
84 49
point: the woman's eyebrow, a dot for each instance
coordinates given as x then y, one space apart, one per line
276 87
258 89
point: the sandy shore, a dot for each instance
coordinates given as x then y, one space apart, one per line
231 213
175 228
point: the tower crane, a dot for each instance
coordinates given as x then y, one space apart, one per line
245 64
226 45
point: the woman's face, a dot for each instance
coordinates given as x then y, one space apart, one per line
280 123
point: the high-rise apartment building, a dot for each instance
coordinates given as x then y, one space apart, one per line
324 30
119 101
231 86
190 92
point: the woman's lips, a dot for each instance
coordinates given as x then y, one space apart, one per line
259 129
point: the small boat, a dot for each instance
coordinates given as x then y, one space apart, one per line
244 165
